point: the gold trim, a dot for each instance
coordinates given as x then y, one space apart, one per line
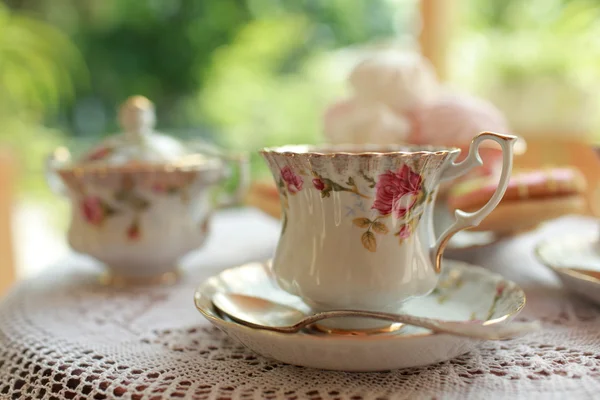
181 165
395 327
590 276
336 150
440 252
61 162
502 136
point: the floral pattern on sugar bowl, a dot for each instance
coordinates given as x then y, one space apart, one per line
141 200
131 200
397 193
139 222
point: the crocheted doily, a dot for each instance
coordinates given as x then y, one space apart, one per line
64 336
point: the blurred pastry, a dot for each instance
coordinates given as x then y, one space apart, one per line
359 121
397 99
265 197
385 86
532 197
402 80
455 119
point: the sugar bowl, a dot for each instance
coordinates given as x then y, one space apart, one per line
141 200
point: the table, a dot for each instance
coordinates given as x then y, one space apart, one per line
64 336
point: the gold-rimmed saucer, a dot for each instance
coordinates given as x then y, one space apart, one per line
466 293
576 261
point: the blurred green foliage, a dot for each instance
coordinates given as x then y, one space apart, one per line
259 92
39 70
538 60
512 41
165 49
243 73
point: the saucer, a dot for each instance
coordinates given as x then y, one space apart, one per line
576 261
465 293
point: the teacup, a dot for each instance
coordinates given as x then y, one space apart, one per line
357 230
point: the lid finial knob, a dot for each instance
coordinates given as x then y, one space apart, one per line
137 116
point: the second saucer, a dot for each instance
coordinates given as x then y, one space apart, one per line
576 261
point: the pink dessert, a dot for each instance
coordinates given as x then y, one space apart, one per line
454 119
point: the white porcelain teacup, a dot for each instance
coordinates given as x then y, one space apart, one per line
357 221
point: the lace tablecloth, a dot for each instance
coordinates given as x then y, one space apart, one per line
63 336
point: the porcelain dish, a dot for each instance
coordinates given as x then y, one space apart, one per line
576 261
140 199
465 293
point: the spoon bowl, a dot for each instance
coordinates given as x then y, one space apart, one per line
258 312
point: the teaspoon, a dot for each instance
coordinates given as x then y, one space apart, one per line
259 313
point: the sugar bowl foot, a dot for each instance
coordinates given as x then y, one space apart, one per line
111 278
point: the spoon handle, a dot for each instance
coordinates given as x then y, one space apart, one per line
476 330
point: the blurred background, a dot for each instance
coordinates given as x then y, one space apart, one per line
249 73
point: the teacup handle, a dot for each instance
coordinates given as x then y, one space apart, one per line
242 163
464 220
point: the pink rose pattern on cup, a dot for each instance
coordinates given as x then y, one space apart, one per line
398 193
294 182
318 184
404 232
291 183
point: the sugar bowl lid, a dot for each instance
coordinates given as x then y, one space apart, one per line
140 144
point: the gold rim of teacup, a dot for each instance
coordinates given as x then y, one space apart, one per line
363 150
333 150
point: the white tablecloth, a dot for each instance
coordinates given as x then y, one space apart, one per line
62 335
